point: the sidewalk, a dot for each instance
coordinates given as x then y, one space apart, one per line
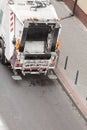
74 45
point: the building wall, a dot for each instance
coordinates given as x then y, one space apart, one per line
83 5
81 9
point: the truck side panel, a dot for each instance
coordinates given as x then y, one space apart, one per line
4 28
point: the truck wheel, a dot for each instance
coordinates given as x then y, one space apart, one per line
2 52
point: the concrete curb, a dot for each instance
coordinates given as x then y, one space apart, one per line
71 94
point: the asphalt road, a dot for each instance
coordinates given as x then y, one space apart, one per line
35 103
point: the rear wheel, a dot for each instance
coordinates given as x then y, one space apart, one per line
2 52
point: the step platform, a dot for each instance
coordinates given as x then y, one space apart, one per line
52 76
16 77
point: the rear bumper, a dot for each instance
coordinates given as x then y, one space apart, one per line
36 63
34 69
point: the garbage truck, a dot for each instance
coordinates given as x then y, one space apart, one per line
29 36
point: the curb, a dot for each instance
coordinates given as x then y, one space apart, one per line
71 94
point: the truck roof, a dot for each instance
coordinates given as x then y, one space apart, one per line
26 9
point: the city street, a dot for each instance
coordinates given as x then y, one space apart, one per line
36 102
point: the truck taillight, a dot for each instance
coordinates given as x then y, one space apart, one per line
18 62
18 44
58 44
53 60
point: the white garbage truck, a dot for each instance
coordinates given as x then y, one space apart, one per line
29 36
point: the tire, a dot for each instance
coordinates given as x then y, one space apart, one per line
2 52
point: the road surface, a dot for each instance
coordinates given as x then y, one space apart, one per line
35 103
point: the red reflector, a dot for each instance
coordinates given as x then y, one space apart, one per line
11 18
11 29
11 13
